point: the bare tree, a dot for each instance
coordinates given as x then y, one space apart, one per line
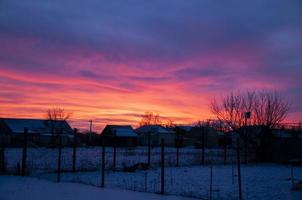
230 110
169 124
150 118
267 109
270 109
55 117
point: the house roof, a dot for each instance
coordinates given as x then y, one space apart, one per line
122 130
34 126
155 129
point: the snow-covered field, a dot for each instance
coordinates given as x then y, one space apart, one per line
20 188
89 158
258 181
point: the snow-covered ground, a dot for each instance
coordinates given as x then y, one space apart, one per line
258 181
89 158
20 188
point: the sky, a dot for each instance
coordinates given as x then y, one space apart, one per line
111 61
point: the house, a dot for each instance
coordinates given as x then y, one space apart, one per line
119 135
39 131
208 135
284 145
269 145
157 133
182 132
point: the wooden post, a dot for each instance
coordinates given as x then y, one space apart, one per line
114 150
90 133
162 182
59 158
103 165
24 152
177 150
239 169
2 157
202 144
211 182
225 148
292 176
149 149
245 149
177 157
74 153
245 141
233 174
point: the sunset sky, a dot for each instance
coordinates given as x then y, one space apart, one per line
110 61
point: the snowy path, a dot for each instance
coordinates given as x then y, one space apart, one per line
20 188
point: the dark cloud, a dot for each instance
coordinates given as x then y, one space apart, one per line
189 73
158 30
133 46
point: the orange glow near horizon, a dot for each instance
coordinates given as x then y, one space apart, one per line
114 62
107 106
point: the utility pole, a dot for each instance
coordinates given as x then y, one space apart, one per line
247 115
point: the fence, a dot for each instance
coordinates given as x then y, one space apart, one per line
127 168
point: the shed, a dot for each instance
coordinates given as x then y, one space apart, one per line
40 131
119 135
157 132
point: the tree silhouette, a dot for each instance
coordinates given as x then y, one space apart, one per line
150 118
54 119
266 109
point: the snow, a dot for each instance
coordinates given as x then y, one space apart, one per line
20 188
125 132
154 129
120 130
34 126
89 158
258 181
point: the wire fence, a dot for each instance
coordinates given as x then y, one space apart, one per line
175 171
45 160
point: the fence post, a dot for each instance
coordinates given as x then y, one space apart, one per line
103 165
202 144
245 145
177 150
225 148
239 169
24 152
162 188
211 181
59 158
149 148
292 176
2 156
74 153
114 151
